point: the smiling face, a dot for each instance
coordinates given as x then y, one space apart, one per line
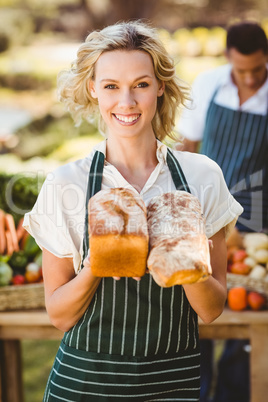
249 71
126 88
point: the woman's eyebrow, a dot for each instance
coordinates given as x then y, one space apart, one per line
136 79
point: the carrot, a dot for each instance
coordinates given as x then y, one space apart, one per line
10 226
20 230
2 233
24 239
9 242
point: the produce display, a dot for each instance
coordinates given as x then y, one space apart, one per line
20 256
247 267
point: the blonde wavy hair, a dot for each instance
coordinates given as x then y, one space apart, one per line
73 84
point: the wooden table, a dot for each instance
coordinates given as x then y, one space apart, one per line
15 326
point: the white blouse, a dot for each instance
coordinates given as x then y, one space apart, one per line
57 218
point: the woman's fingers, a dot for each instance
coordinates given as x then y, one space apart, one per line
136 278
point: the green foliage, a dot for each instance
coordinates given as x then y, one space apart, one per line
4 42
18 26
25 81
43 136
19 193
38 357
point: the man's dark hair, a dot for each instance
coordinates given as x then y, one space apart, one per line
247 38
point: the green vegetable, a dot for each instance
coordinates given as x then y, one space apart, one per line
38 259
4 258
18 260
19 193
31 248
5 274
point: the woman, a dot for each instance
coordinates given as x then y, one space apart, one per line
126 338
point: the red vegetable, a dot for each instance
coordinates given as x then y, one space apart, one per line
18 280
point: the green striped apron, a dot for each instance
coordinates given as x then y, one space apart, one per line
238 142
136 341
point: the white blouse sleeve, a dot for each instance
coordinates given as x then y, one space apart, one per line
57 218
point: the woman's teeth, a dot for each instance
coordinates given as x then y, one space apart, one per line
127 119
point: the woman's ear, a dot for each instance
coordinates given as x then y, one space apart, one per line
161 88
92 89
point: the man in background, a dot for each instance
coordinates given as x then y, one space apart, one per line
228 122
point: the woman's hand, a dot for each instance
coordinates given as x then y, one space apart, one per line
208 298
67 295
136 278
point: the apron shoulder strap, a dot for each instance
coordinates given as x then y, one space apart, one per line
95 179
93 187
176 172
95 175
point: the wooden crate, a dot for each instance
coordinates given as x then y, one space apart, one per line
22 297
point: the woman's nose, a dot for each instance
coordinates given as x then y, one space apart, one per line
127 99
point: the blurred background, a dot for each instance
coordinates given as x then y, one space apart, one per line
40 38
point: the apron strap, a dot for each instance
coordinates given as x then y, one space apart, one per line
95 179
95 175
176 172
93 187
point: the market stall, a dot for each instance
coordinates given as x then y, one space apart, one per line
18 325
22 305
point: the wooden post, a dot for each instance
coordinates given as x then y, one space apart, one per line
11 371
258 366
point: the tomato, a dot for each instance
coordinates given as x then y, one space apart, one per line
239 255
18 279
256 301
239 268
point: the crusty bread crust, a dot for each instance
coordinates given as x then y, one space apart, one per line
122 255
118 233
179 250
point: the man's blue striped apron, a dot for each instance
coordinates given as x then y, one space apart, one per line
136 341
238 142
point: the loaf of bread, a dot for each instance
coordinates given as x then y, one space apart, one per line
118 233
179 249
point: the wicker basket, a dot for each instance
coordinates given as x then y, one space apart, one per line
256 285
22 297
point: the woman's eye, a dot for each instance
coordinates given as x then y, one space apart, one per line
142 85
110 86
